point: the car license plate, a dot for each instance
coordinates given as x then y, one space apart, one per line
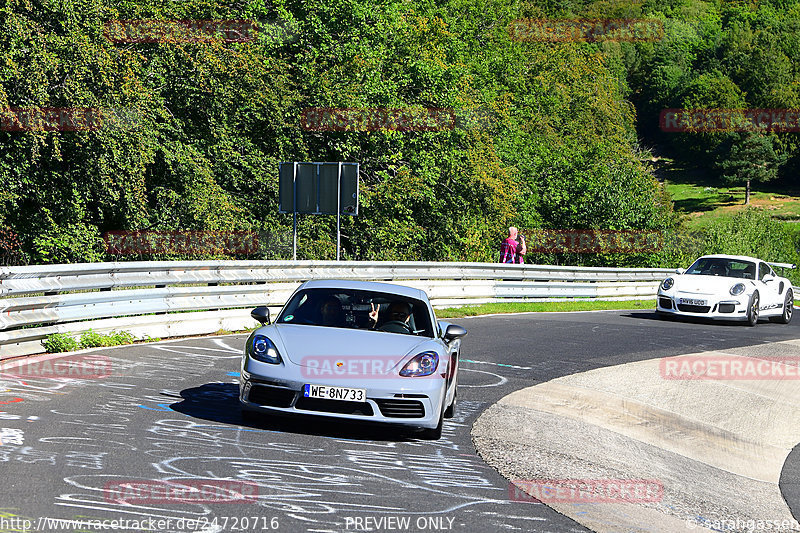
334 393
692 301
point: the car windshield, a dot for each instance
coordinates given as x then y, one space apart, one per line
721 266
356 309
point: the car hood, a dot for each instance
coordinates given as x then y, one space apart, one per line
300 343
699 284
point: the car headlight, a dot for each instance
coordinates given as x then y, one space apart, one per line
667 284
262 349
423 364
737 289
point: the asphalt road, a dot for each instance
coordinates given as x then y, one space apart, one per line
169 411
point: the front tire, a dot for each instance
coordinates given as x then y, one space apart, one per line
788 307
753 310
433 433
451 409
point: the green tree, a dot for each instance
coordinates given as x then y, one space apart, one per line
749 157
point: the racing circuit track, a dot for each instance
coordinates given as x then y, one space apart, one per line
169 411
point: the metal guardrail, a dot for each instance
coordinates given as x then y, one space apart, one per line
153 298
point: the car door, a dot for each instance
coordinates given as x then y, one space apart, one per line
768 288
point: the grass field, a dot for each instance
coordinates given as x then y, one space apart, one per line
703 200
552 307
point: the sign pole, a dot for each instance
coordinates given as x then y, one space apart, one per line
339 212
294 211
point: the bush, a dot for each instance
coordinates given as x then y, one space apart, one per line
60 342
121 337
754 233
91 339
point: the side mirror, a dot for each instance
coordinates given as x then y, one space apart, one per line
767 278
679 271
454 331
261 314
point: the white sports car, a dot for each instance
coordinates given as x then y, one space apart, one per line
353 349
728 287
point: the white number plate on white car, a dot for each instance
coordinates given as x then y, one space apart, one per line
334 393
691 301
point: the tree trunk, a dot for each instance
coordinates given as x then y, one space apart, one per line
747 193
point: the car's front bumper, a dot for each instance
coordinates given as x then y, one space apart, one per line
726 308
415 402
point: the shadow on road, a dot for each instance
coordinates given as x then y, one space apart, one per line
652 315
219 402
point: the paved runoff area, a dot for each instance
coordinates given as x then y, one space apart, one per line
703 436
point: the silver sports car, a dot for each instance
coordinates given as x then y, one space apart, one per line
352 349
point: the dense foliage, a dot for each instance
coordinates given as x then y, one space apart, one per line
719 54
545 134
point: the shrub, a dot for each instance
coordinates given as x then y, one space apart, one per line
60 342
753 232
120 337
91 339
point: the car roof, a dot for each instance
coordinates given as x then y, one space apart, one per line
735 257
375 286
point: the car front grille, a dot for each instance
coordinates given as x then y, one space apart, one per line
401 408
694 308
726 308
271 396
334 406
666 303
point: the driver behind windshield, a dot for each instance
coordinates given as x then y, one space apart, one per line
399 312
394 319
718 269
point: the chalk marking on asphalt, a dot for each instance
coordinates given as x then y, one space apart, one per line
221 342
496 364
204 348
501 382
164 407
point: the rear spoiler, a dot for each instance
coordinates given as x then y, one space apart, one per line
783 265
